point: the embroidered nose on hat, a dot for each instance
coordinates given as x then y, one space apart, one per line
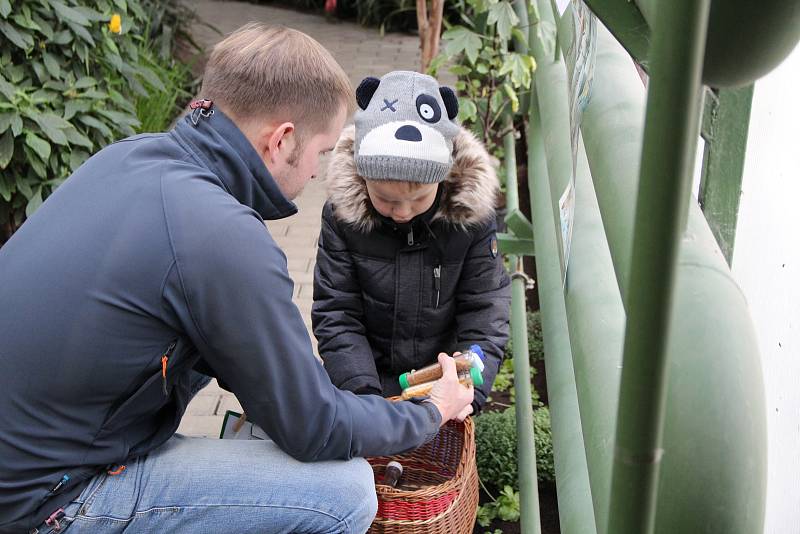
405 128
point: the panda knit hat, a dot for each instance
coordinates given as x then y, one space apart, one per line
405 128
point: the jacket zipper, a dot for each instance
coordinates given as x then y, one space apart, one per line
164 362
437 283
410 237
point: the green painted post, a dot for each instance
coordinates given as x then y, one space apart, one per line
627 24
725 125
661 210
530 522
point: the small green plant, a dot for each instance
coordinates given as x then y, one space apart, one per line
491 78
504 507
496 445
160 105
535 338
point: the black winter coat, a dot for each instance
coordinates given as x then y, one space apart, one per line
388 298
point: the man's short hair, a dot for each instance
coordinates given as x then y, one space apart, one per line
277 73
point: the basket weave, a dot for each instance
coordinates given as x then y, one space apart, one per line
438 492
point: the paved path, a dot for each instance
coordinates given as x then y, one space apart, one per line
361 52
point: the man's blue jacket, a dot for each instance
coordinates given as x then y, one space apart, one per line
150 261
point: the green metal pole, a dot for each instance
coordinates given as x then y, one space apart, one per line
661 210
530 522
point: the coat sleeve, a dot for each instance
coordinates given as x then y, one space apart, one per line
483 305
231 292
337 314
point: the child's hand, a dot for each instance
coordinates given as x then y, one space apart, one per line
453 400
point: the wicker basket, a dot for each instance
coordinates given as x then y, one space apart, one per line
438 492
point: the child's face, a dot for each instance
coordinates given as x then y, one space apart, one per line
401 201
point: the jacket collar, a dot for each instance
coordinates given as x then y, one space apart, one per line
222 147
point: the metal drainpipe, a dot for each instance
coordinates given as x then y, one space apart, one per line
673 108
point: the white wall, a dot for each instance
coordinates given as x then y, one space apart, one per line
766 263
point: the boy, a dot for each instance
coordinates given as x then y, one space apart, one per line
407 264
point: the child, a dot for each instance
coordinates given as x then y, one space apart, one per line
407 264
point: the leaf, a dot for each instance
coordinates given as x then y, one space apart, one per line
503 15
497 101
151 78
69 14
8 90
76 159
76 138
520 67
52 126
512 96
92 122
25 23
6 149
39 145
5 8
84 82
5 121
459 40
81 32
16 124
63 37
22 40
71 107
467 110
44 27
34 202
51 64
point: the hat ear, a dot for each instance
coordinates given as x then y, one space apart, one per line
365 90
450 101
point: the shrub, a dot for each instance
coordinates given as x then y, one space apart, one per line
69 77
535 339
496 444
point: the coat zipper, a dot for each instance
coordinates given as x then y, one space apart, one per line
437 283
164 362
410 237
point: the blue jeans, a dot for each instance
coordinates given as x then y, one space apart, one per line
218 486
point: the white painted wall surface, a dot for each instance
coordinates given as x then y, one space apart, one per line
766 263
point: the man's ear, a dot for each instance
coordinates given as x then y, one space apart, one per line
279 142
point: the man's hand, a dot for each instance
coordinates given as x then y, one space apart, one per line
453 400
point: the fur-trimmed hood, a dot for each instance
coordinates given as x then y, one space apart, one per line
470 189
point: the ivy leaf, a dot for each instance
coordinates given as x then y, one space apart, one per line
39 145
503 15
34 202
51 64
520 67
467 110
460 39
69 14
22 40
6 149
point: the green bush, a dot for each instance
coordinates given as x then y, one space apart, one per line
68 84
535 339
496 444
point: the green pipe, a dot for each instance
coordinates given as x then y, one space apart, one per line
551 93
530 522
572 479
714 472
661 208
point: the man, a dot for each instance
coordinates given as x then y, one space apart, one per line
152 262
